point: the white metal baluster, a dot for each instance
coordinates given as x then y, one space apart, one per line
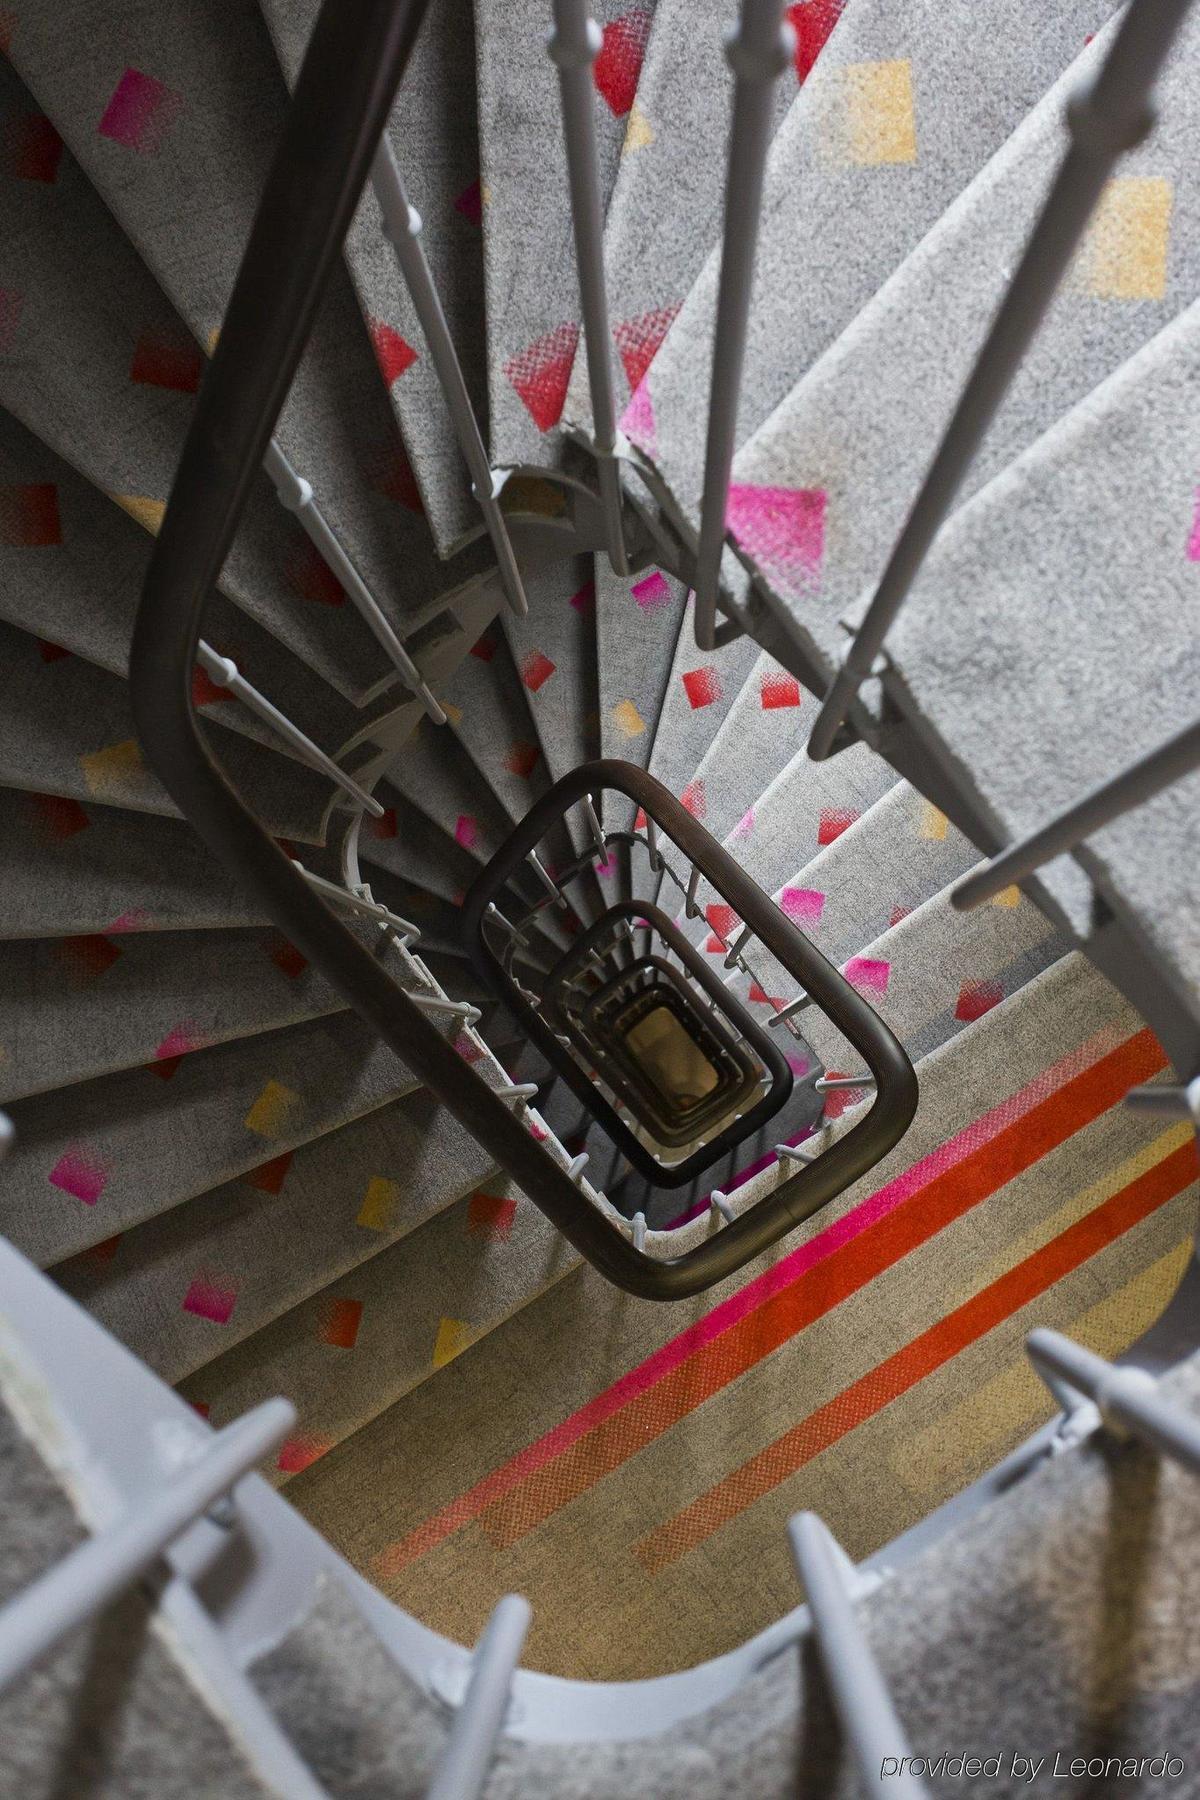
463 1770
402 228
789 1011
225 673
296 496
759 48
1128 1400
547 880
832 1084
1166 1102
366 909
1110 116
719 1203
733 959
573 46
90 1577
1132 787
859 1692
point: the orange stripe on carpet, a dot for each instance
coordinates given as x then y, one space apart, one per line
926 1353
521 1493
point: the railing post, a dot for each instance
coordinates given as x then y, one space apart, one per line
463 1770
1132 787
759 48
97 1571
573 46
296 496
860 1695
1109 117
402 228
1128 1400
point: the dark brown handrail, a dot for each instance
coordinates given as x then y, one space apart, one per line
356 57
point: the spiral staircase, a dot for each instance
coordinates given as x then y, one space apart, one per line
598 950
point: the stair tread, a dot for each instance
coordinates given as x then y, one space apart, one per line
623 1400
896 117
554 650
533 305
936 971
640 619
68 730
858 432
105 372
187 210
135 1143
667 200
71 869
342 1200
1021 663
76 1010
910 848
433 133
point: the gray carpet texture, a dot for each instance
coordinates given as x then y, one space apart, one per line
897 116
533 307
220 1161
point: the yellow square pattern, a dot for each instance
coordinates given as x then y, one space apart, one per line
270 1113
147 512
453 1337
934 823
1124 256
113 768
380 1205
878 124
627 719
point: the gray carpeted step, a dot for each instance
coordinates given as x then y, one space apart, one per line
104 371
554 649
71 870
1098 514
76 1008
855 437
805 809
437 776
666 205
181 157
756 736
479 1261
639 620
911 852
533 306
120 1706
591 1431
433 133
72 568
897 116
188 1286
130 1145
67 729
936 971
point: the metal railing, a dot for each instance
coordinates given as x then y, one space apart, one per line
1126 1400
296 496
1132 787
759 48
402 228
573 46
1105 119
90 1577
356 55
860 1694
